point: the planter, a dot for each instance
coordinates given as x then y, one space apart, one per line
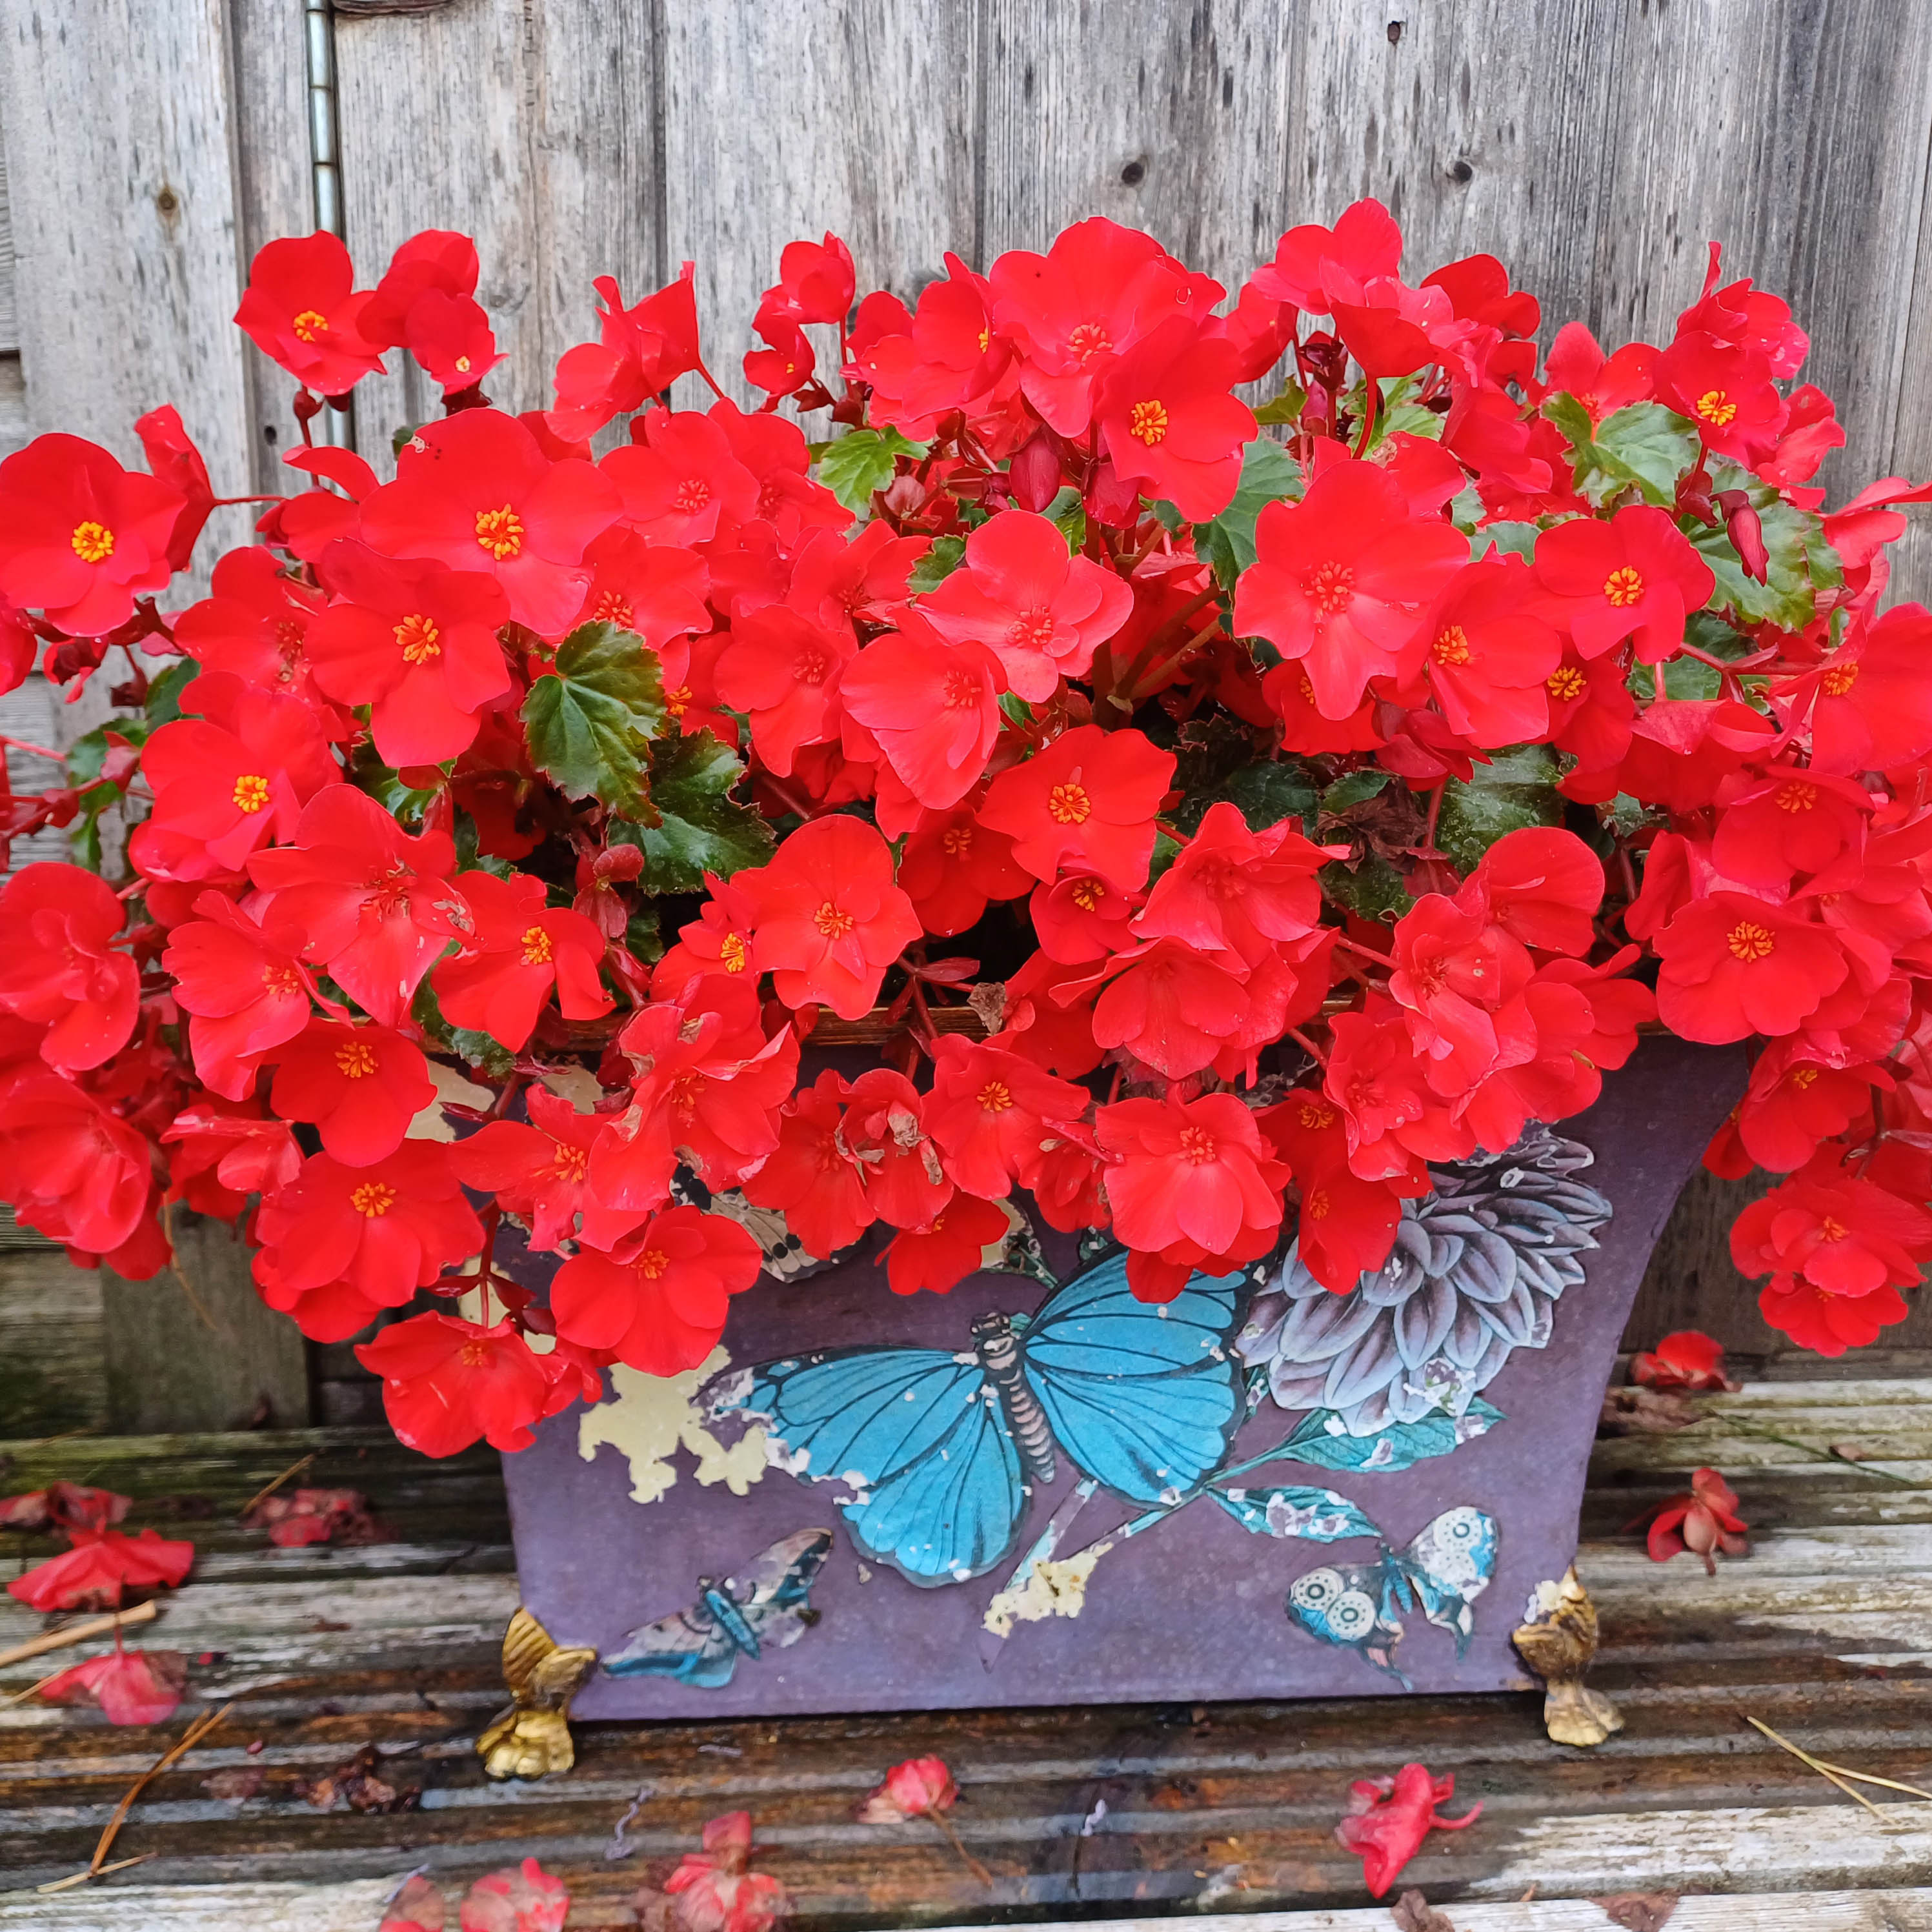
863 1502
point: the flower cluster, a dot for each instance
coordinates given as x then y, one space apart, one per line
1217 814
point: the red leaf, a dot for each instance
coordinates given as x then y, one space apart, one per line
127 1687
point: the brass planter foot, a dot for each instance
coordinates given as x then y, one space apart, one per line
1558 1644
531 1739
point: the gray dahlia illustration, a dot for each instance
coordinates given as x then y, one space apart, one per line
1478 1268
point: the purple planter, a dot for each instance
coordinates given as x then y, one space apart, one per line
921 1502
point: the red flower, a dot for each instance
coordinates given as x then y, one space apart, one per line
679 478
1389 1817
70 1168
655 590
1705 1520
1392 1116
642 351
1492 653
1603 385
783 670
951 866
1089 800
1827 1324
713 1890
360 1086
949 1248
922 366
1172 1009
174 461
519 950
1734 966
224 1151
1797 1100
81 537
813 1178
377 905
991 1113
446 1381
1541 885
1192 1182
520 1898
302 309
1786 820
1870 701
931 707
385 1229
1455 974
58 966
417 643
1686 1360
475 491
1314 267
227 784
1635 576
427 304
255 624
1341 579
1726 391
126 1687
1167 415
661 1309
245 990
101 1565
1238 893
1040 611
1347 1224
916 1788
828 917
1841 1234
886 1131
542 1171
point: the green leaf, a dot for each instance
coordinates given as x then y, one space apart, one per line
1370 888
1166 849
1072 524
1517 788
1269 475
1799 562
589 722
694 825
1321 1439
1647 444
946 555
1353 789
1264 794
1287 1510
1518 539
163 705
1286 408
862 461
86 755
476 1050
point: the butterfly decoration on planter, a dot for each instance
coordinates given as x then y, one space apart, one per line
942 1449
1444 1570
769 1604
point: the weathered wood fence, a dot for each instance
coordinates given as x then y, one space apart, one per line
152 146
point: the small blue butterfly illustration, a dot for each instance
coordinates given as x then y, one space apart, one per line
768 1605
1357 1605
941 1451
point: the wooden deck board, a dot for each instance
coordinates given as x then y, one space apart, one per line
1825 1632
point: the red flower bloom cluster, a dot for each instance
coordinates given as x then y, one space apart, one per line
1221 823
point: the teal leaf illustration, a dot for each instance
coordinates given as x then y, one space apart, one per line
1315 1516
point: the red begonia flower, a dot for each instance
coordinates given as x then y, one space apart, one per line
1734 965
174 461
1313 266
1542 885
1827 1323
1173 1008
542 1171
81 537
1167 414
828 917
301 309
662 1307
1602 384
715 1892
655 590
1389 1817
815 281
1491 653
1704 1522
785 670
1236 892
255 625
517 950
1796 1099
678 477
642 351
1726 391
1342 579
1391 1115
377 905
1347 1225
475 491
101 1566
777 454
931 707
951 865
718 941
226 1150
519 1898
1095 292
1869 702
446 1381
414 640
942 357
1191 1174
1687 1359
813 1178
359 1086
1080 918
71 1169
126 1687
1786 820
1838 1232
949 1247
426 304
1040 611
787 361
385 1229
1635 576
1455 972
58 968
1087 800
886 1129
917 1788
990 1112
243 987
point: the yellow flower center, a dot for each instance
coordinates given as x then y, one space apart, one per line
956 840
1330 587
418 635
355 1059
1749 942
373 1197
463 365
1805 1077
1564 684
1197 1146
833 923
610 608
500 532
691 495
733 952
473 1355
1069 804
1832 1229
1147 422
1451 646
1623 586
1031 630
251 793
962 690
1090 339
1714 407
536 947
1317 1205
678 702
310 324
1798 796
93 543
570 1163
996 1097
653 1262
1838 680
1316 1116
1087 894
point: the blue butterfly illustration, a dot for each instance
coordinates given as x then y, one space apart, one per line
1444 1570
768 1605
942 1451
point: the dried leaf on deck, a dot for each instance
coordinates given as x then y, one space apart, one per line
317 1516
1414 1913
354 1783
236 1782
519 1898
1640 1911
126 1687
417 1906
1645 1411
